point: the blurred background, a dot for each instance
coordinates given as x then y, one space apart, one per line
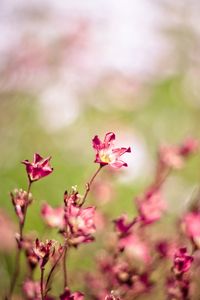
72 69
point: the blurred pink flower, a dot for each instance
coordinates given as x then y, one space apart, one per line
106 153
182 261
7 232
175 288
151 207
99 220
122 226
31 289
67 295
103 191
191 226
166 248
133 246
112 296
81 223
39 168
189 146
53 217
171 157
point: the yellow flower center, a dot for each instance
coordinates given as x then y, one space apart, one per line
106 157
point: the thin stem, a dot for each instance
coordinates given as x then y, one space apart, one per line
42 283
160 177
19 249
51 272
65 266
15 273
25 212
88 185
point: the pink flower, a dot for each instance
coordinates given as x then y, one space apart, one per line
43 251
122 225
171 157
73 197
31 289
177 289
106 154
81 223
67 295
165 248
182 261
189 146
7 232
174 156
39 168
134 247
112 296
191 226
151 207
20 200
54 217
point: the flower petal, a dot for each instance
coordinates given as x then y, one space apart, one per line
110 136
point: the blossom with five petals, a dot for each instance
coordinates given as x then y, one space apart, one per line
106 154
39 168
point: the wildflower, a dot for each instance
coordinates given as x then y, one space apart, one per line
81 223
31 289
182 261
53 217
39 168
133 246
189 147
171 157
177 289
7 231
20 200
103 191
43 251
151 207
73 197
106 154
165 248
67 295
191 226
122 226
112 296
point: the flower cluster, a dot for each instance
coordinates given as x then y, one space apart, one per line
134 256
178 285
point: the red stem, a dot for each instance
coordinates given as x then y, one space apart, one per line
42 283
18 254
65 266
51 272
88 185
